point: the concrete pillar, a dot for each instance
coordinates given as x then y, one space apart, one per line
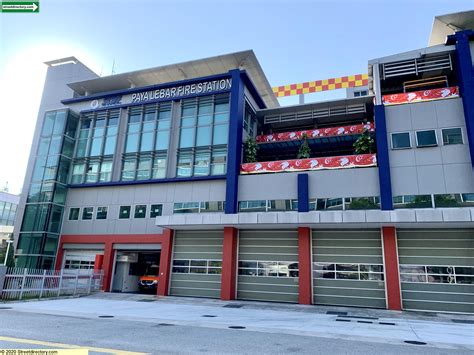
304 262
166 259
392 276
229 264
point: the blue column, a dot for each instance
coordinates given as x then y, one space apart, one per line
383 161
465 73
234 147
303 193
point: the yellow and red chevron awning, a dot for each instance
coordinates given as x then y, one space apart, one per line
322 85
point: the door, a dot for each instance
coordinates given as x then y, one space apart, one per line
437 270
197 264
268 266
348 268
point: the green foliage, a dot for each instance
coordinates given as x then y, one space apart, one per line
250 150
305 151
446 201
363 204
364 144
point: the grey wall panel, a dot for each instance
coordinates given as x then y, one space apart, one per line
130 195
436 270
325 183
199 245
434 170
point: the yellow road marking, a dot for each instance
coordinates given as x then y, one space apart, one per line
68 346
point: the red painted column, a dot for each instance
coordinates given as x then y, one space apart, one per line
165 263
304 261
108 266
98 262
392 276
59 257
229 264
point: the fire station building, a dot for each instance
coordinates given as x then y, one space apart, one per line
194 172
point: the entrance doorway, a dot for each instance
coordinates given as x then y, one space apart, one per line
136 271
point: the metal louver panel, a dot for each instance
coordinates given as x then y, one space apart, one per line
417 65
314 114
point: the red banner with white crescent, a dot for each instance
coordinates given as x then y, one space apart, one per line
315 133
340 162
419 96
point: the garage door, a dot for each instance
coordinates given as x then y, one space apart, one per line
197 264
437 270
80 259
268 266
348 268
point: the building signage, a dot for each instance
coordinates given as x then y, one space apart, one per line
173 92
183 90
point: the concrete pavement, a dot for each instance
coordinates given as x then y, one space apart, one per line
350 324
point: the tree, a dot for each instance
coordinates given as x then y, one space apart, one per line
364 144
250 150
305 151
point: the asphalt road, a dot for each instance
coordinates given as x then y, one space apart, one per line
114 336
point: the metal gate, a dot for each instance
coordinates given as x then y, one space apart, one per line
268 266
197 264
348 268
437 270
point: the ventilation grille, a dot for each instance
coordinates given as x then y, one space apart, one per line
417 65
314 114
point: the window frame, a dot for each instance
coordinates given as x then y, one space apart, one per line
430 145
129 212
135 211
78 213
446 128
97 212
401 148
151 210
92 213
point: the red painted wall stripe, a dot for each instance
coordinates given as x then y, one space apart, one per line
392 276
229 264
304 260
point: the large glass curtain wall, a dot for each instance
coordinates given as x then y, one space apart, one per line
204 130
41 223
146 146
96 142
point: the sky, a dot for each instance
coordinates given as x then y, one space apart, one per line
295 41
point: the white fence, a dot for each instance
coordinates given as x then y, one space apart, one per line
19 283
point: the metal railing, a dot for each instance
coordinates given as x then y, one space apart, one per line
21 284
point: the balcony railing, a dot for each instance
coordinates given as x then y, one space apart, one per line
315 133
421 96
339 162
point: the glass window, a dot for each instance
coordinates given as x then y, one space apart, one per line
186 207
162 139
74 214
110 145
124 212
156 210
186 139
412 201
105 171
87 213
101 213
92 172
401 140
212 206
253 206
203 136
78 173
132 143
144 169
202 163
159 167
129 167
218 162
452 136
220 135
140 211
184 166
426 138
147 142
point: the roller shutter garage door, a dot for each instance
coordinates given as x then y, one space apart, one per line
197 264
268 266
348 268
437 270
